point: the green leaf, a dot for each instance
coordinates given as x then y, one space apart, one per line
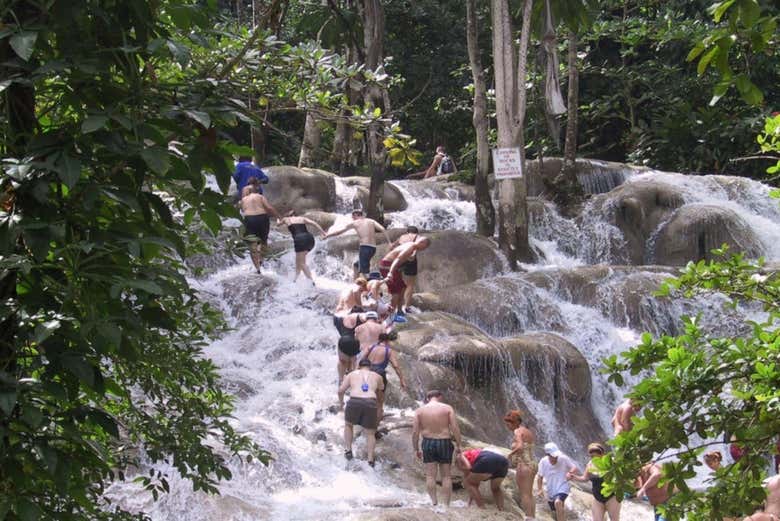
212 220
706 59
145 285
23 44
7 400
106 422
749 12
45 330
157 159
720 9
27 510
80 368
201 117
69 170
93 123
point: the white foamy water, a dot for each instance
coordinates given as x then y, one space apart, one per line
428 210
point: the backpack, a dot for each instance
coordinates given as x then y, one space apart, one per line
446 166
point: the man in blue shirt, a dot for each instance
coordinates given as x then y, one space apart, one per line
245 170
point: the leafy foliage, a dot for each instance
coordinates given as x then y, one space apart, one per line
701 390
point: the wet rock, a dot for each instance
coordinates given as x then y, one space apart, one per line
392 197
300 189
696 229
324 219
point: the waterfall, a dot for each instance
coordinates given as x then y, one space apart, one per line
279 359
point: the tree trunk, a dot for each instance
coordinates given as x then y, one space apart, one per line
373 37
568 190
510 115
343 148
311 143
486 214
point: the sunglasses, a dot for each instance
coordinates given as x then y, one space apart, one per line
595 453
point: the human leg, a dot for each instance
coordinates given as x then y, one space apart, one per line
255 255
498 494
597 509
300 262
409 280
524 477
613 509
430 481
446 482
370 443
560 511
305 267
472 486
348 435
343 365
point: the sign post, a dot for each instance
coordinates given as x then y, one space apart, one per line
507 163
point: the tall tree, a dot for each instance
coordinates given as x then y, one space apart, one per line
567 188
510 73
377 102
486 214
311 142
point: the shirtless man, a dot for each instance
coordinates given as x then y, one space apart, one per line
648 480
438 425
368 332
255 208
621 420
409 269
390 264
436 167
772 505
362 408
366 230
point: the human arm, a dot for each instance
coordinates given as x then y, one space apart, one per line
431 171
539 484
574 474
416 436
652 480
260 175
343 389
394 363
378 227
315 224
455 429
270 209
339 231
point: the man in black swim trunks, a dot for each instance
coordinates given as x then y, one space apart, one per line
437 423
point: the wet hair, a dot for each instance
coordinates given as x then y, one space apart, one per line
412 229
384 337
597 447
433 393
361 281
423 240
364 362
357 213
356 309
515 417
253 181
713 456
244 159
290 213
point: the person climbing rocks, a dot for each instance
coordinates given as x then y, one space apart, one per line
374 297
303 241
245 170
601 504
348 345
480 465
351 296
648 479
381 355
523 459
553 469
366 231
437 424
441 164
255 209
363 385
621 420
409 269
367 334
390 264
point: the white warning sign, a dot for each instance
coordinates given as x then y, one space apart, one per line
507 163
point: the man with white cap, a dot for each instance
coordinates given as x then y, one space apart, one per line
368 332
552 472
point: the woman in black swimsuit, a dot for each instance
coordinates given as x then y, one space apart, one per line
302 240
601 504
349 347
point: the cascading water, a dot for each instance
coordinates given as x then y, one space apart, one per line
279 360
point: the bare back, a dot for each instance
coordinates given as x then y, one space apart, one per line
434 419
366 230
368 334
522 437
621 421
354 382
254 204
402 252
